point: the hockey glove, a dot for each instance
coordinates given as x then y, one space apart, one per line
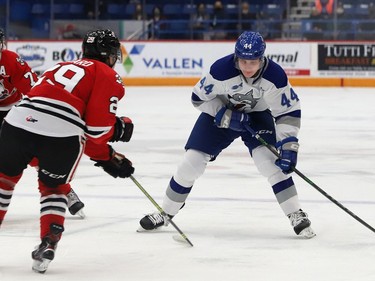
231 119
123 129
117 166
288 149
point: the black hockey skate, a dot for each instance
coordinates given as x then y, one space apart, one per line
153 221
45 252
301 224
75 205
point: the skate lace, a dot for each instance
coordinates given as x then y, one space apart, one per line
297 217
156 218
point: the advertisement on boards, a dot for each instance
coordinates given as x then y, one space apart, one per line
348 60
163 59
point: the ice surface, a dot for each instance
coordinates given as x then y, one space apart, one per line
238 230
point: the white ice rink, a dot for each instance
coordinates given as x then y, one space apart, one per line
238 229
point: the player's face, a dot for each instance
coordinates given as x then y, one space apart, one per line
112 60
249 67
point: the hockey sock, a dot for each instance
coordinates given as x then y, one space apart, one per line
6 192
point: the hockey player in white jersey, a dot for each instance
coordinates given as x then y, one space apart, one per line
242 88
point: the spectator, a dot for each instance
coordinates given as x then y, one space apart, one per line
316 26
139 13
199 22
263 24
218 22
366 28
157 24
247 17
241 22
269 23
343 24
340 11
371 11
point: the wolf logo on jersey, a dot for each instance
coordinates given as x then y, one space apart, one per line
241 101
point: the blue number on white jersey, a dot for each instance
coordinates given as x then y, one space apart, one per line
293 95
286 101
207 88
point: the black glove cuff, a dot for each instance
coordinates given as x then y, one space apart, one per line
123 131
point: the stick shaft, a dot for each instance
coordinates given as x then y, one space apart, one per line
274 151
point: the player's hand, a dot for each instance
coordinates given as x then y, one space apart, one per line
288 150
231 119
123 129
117 166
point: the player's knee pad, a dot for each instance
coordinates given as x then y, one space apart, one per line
192 167
264 160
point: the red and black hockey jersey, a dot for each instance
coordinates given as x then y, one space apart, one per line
73 98
16 78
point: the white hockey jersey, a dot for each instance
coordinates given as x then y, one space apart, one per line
224 85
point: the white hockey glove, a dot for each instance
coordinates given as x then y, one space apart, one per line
231 119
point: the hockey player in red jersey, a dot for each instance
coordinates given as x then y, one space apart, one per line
17 78
71 110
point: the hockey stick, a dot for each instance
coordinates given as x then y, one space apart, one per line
161 211
275 152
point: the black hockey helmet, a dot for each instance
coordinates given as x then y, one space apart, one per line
100 45
2 39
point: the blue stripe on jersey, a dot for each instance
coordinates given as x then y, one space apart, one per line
296 114
282 185
178 188
224 68
275 74
194 97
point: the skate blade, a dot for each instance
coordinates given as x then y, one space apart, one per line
81 214
307 233
41 266
142 230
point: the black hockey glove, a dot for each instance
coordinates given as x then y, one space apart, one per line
117 166
123 129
